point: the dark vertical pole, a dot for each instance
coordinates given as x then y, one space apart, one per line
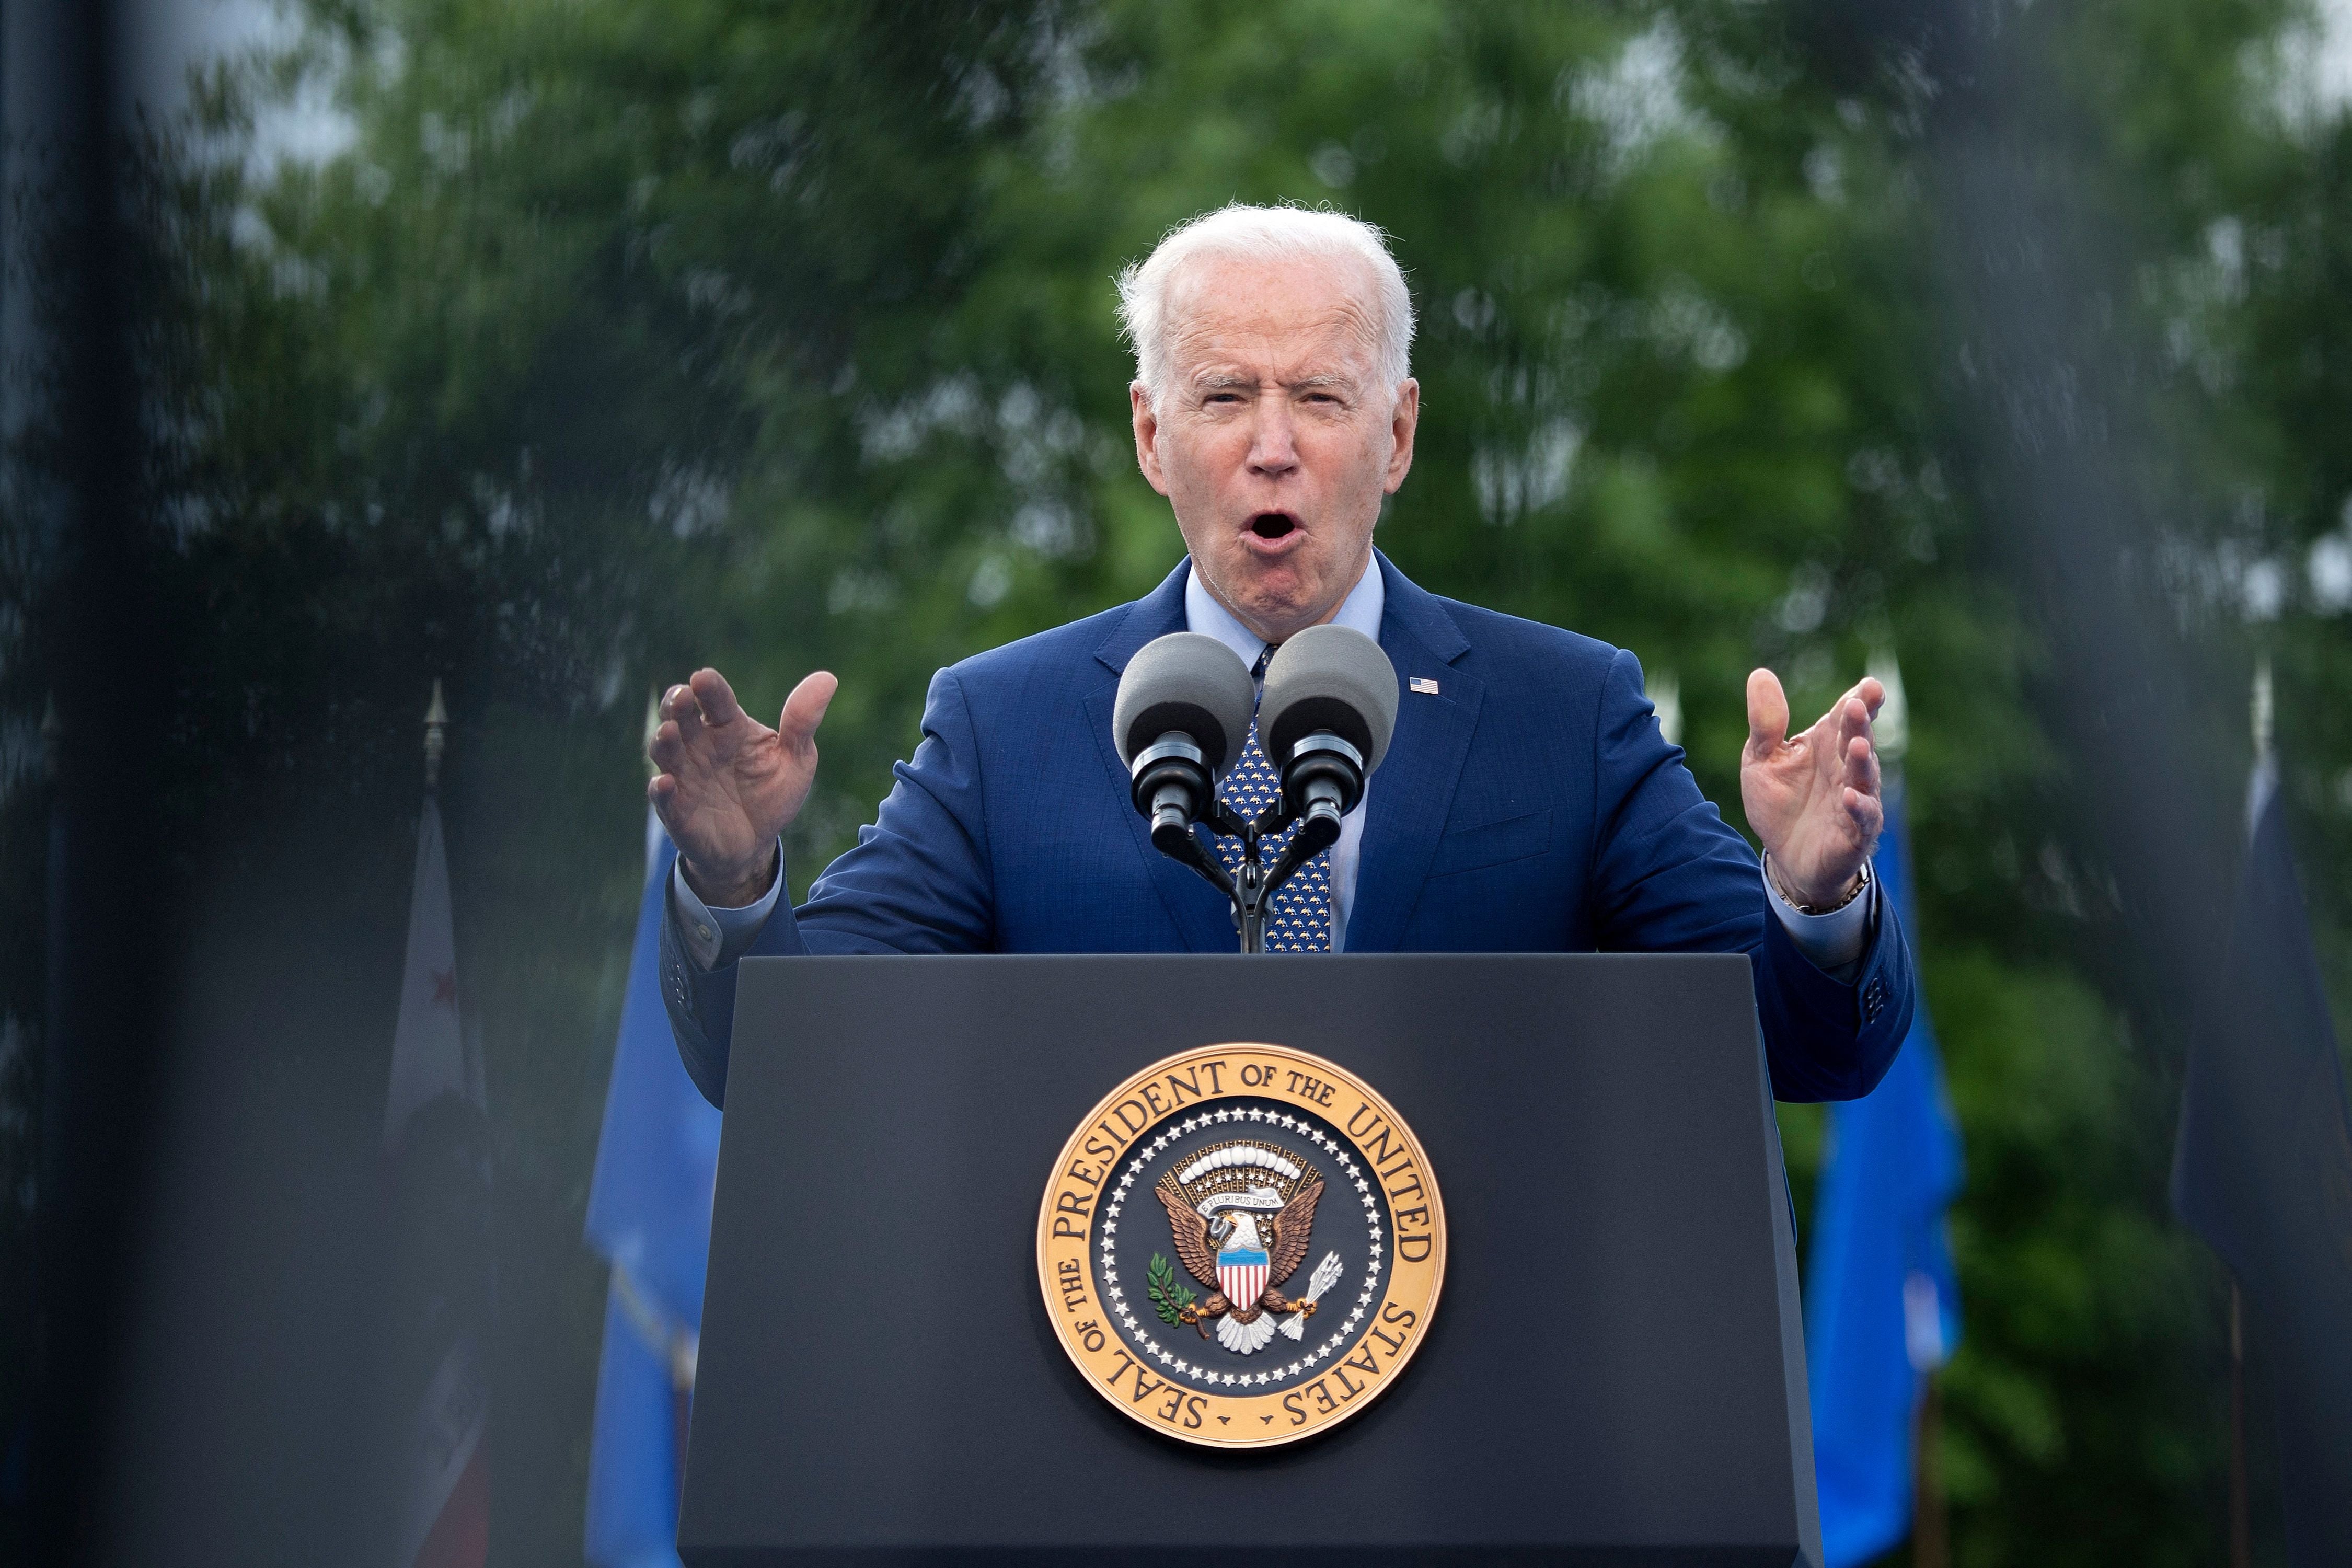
103 637
2242 1550
681 1411
1931 1540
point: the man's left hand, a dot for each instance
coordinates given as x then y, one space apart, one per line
1812 798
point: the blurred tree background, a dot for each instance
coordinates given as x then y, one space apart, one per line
630 335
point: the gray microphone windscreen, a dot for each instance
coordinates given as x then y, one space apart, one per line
1328 678
1189 682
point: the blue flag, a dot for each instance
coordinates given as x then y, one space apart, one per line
1882 1308
2264 1170
649 1214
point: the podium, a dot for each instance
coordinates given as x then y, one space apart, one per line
1614 1374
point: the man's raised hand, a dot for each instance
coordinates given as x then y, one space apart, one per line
728 784
1812 798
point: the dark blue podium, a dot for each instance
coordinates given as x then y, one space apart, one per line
1615 1374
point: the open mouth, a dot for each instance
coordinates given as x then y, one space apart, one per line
1274 525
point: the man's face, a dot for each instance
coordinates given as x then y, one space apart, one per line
1274 440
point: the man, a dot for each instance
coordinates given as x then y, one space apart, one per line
1529 802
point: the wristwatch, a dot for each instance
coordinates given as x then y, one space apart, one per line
1861 881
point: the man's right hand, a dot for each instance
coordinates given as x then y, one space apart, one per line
728 784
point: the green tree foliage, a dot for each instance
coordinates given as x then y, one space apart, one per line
628 337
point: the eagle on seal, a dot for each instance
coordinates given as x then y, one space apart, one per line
1240 1244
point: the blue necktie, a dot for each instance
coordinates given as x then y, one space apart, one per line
1299 920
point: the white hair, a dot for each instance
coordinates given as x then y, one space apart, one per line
1265 234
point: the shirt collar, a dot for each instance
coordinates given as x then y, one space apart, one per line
1361 611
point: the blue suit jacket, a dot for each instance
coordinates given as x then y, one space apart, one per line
1530 805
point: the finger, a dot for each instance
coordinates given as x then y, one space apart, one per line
1862 765
1767 714
681 713
666 749
717 698
678 699
1873 694
1855 718
1868 816
1842 714
661 793
805 708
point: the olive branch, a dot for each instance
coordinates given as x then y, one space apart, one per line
1170 1296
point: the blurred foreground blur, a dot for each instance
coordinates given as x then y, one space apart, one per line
565 345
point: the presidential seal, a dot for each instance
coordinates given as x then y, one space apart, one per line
1241 1246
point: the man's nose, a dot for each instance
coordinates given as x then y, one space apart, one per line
1273 450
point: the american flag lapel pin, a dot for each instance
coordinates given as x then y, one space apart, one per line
1423 685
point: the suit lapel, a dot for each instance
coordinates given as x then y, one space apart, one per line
1203 923
1412 793
1155 615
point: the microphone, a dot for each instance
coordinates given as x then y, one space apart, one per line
1179 722
1328 712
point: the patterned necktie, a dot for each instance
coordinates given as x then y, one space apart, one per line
1299 918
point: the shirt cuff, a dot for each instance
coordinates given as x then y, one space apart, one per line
1835 942
717 937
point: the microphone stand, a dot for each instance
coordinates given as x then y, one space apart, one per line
1251 893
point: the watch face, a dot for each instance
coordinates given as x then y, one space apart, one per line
1242 1245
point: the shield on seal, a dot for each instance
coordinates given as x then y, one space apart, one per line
1241 1274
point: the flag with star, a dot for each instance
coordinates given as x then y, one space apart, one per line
437 1168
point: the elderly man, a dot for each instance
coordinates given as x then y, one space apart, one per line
1529 802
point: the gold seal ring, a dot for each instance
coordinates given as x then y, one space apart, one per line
1241 1246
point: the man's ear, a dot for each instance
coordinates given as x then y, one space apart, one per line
1403 422
1147 436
